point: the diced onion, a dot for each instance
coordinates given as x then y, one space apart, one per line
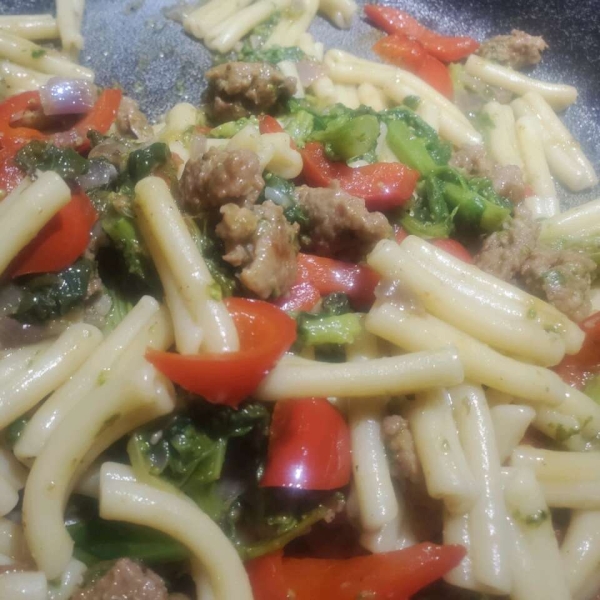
67 96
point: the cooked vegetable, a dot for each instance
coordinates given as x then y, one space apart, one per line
50 296
349 139
282 192
142 163
229 129
43 156
410 149
273 54
126 238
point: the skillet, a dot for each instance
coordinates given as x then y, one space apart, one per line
131 43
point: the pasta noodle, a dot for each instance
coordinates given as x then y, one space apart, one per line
559 96
9 497
510 424
489 543
461 303
27 585
30 55
456 531
537 569
109 412
371 96
30 27
69 15
20 359
447 474
48 372
502 137
289 30
581 220
12 541
206 18
96 371
22 219
299 378
70 580
183 520
339 12
417 332
17 79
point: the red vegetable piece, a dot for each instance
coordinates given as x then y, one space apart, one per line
61 242
266 577
309 446
436 74
301 296
453 247
265 333
382 185
400 50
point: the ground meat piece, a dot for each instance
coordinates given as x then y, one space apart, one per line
339 224
401 445
219 177
132 121
126 580
263 243
517 50
239 89
515 254
475 162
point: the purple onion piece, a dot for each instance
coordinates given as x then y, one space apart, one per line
100 173
67 96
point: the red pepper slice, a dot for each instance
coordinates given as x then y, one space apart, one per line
436 74
328 276
400 50
444 48
265 333
577 369
382 185
309 446
266 577
61 242
389 576
301 296
100 118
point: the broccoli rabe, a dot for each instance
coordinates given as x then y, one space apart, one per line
42 156
282 192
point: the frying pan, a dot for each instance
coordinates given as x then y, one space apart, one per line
131 43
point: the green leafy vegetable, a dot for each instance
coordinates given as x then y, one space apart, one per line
347 139
38 155
53 295
299 126
125 236
282 192
315 330
229 129
409 149
143 162
119 309
272 54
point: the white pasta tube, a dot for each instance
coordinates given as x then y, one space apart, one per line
30 27
510 424
70 580
9 497
537 172
288 69
49 371
170 237
20 359
447 473
502 137
456 531
14 197
580 552
553 465
584 409
28 585
430 113
87 430
578 221
559 96
564 429
324 89
418 332
347 94
463 303
178 121
99 367
20 79
298 378
489 543
285 161
36 205
565 157
69 15
288 31
395 535
26 53
339 12
542 208
234 28
372 481
184 521
490 290
205 19
12 541
537 568
313 49
11 469
371 96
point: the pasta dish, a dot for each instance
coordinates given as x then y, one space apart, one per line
323 335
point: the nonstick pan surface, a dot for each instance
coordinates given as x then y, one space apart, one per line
131 43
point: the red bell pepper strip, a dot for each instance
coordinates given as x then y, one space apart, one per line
444 48
436 74
328 276
100 118
400 50
309 446
61 241
382 185
389 576
301 296
265 333
266 577
577 369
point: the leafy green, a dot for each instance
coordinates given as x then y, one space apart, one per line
38 155
229 129
272 54
120 306
53 295
282 192
211 249
408 148
124 234
299 126
99 540
347 139
144 161
316 330
336 304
